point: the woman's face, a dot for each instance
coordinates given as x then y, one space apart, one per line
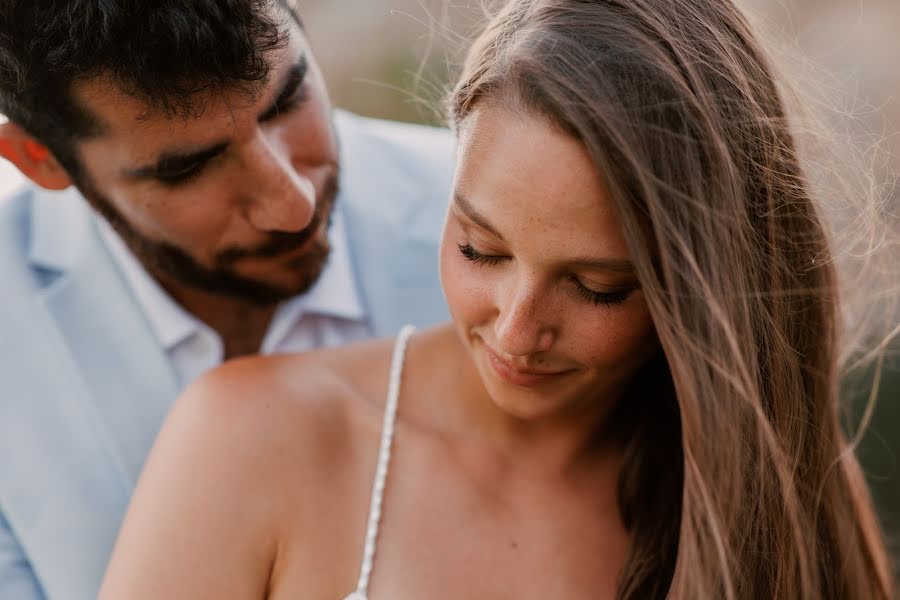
536 271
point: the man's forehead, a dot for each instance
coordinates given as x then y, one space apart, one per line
121 114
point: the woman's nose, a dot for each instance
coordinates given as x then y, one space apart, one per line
521 327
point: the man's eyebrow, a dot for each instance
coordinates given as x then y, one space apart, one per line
173 161
469 211
290 82
177 160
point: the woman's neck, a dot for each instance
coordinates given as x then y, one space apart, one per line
567 443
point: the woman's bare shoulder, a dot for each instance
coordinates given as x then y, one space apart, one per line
303 397
241 460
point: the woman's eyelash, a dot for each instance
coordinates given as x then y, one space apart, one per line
584 293
600 298
473 255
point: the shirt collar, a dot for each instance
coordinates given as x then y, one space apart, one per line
335 294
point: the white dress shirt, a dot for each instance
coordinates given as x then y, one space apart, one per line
329 314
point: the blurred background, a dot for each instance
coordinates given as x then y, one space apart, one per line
395 58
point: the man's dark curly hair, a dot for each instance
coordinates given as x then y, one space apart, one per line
162 52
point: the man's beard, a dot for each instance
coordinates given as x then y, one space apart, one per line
221 279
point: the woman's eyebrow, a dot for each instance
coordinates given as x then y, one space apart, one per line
617 265
467 209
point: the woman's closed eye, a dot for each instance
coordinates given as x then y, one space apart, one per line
575 284
599 298
473 255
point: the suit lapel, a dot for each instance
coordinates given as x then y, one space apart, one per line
128 380
93 387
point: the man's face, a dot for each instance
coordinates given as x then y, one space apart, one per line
234 200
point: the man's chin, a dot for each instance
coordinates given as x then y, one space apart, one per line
267 292
273 281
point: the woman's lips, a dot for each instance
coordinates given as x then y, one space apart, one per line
518 376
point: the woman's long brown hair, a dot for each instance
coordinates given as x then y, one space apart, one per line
738 481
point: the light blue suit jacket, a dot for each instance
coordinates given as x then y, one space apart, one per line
84 385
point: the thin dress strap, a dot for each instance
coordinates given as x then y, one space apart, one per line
384 459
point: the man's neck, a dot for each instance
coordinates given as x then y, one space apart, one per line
241 325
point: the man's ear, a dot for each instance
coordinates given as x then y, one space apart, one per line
32 158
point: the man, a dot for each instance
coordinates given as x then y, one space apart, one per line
198 201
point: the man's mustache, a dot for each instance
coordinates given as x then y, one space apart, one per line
282 242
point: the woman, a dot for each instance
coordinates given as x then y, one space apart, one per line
636 397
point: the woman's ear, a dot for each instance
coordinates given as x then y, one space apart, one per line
32 158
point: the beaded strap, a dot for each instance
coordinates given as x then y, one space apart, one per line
384 459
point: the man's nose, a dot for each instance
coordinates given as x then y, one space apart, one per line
279 197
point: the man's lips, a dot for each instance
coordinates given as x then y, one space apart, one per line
299 245
522 376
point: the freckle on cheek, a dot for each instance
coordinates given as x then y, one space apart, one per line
467 298
619 334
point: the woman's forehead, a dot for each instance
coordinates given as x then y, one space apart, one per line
526 172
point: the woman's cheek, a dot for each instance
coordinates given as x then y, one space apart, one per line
467 289
623 337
